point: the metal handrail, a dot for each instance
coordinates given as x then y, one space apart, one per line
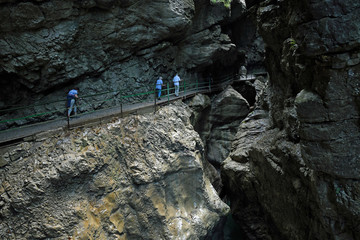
192 87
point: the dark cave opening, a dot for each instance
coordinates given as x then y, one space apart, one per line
11 91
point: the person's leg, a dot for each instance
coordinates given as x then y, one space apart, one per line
75 107
72 102
159 93
177 90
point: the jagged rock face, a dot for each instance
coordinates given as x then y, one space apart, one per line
240 177
141 177
228 109
217 123
47 47
304 172
48 43
199 104
250 46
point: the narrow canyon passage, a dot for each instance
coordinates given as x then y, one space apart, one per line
282 150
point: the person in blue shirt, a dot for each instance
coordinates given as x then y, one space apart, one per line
71 100
176 81
159 84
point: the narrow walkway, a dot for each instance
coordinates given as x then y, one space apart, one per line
19 134
13 135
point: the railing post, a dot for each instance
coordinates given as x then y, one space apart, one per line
155 97
168 91
185 88
121 105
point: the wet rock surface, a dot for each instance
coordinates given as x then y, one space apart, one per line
228 109
133 178
299 167
290 168
217 121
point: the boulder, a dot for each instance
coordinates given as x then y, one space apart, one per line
228 106
228 109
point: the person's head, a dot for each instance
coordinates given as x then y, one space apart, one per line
77 89
160 78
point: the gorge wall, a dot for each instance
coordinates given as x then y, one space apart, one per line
294 169
48 47
140 177
96 183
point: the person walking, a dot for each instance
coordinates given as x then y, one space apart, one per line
243 72
159 84
71 100
176 81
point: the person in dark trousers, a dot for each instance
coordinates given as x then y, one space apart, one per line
159 84
71 100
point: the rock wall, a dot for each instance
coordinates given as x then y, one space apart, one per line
216 121
141 177
47 47
294 169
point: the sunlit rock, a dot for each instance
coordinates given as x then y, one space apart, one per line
137 177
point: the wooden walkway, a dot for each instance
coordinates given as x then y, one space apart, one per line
39 130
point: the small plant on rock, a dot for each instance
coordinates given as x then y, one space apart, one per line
293 46
227 3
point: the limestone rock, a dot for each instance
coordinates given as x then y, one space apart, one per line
249 44
47 47
306 165
199 103
52 44
137 177
228 109
249 132
310 108
227 106
250 3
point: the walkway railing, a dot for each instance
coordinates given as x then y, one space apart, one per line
104 100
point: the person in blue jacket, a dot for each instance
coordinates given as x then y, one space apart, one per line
71 100
159 84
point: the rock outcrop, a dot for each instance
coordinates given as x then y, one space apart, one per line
301 169
141 177
218 120
228 109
